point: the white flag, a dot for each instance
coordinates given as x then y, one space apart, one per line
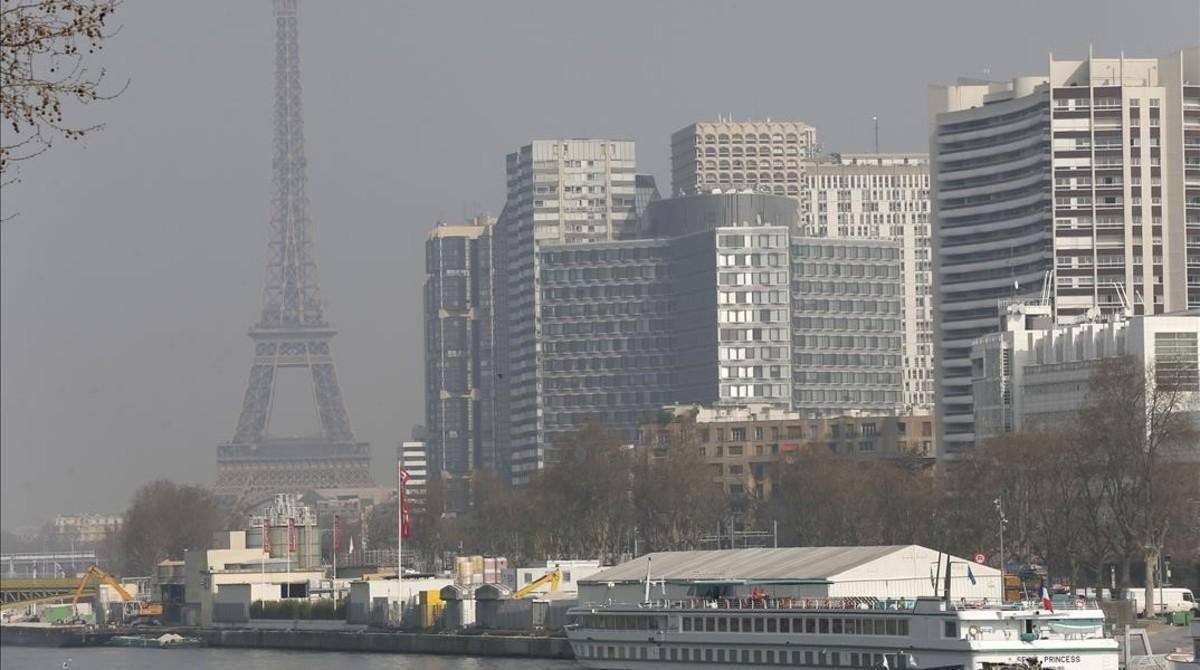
351 545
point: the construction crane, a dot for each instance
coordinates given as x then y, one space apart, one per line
552 577
134 610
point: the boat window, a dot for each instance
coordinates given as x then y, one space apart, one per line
708 655
687 623
835 658
950 629
642 653
673 654
854 659
823 625
837 626
722 624
785 625
745 656
771 627
902 627
720 656
758 655
770 656
747 625
710 624
810 625
891 626
687 653
868 626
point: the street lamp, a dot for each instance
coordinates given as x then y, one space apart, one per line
999 503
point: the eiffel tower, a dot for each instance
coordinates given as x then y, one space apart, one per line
292 331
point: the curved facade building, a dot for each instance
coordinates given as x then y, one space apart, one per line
1080 179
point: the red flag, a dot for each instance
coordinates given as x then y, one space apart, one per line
292 534
337 533
267 536
405 519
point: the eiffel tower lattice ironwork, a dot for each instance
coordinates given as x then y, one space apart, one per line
292 331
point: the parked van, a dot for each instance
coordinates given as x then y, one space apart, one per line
1170 600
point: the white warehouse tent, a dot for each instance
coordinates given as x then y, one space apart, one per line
896 571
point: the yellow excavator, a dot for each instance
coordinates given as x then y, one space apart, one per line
551 577
134 611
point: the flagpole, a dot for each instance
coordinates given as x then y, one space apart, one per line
400 535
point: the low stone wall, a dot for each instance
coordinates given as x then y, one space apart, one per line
403 643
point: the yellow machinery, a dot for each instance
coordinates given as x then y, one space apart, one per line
135 610
552 577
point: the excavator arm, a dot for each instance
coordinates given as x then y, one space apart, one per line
102 576
552 577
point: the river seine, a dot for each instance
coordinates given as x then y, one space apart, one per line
102 658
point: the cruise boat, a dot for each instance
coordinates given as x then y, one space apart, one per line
925 633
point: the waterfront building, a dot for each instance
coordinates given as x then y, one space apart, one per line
575 191
744 445
1037 375
868 572
1083 184
460 380
882 197
87 528
763 156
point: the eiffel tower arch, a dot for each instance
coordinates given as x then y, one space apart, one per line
291 331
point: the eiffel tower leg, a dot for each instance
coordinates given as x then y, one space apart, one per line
334 419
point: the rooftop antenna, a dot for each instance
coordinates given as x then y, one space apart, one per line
876 120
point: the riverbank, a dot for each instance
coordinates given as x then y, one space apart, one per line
504 646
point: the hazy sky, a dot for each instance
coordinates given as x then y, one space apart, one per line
135 265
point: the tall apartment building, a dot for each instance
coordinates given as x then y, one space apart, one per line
459 355
606 334
575 191
698 312
883 197
761 156
730 295
1087 178
847 334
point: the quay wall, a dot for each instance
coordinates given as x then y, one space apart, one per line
52 636
374 641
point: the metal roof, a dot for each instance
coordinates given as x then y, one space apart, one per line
790 563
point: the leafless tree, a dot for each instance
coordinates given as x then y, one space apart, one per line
675 498
45 62
1134 424
164 520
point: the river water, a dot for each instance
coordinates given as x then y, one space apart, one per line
104 658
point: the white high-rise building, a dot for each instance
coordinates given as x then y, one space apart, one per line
572 191
761 156
882 197
1087 177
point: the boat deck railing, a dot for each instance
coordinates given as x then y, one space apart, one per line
845 604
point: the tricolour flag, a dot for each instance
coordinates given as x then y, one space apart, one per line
1047 604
